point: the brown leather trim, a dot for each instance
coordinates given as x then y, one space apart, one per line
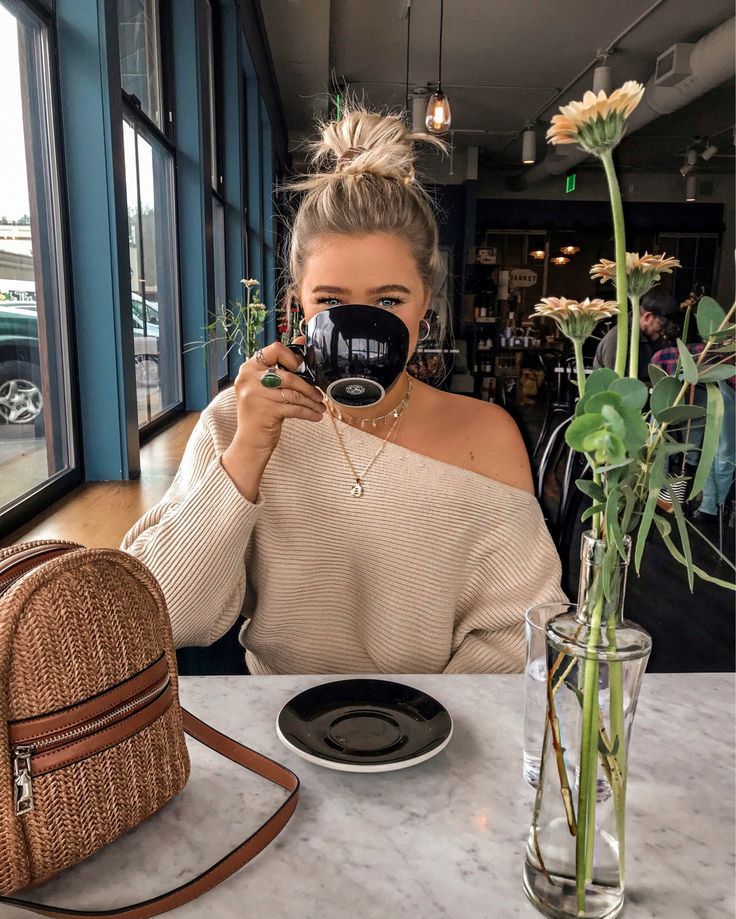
42 763
40 726
226 866
31 556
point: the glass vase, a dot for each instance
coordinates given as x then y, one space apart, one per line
595 662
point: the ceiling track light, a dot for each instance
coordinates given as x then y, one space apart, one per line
602 75
529 146
690 187
439 117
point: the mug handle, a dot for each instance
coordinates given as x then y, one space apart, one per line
302 371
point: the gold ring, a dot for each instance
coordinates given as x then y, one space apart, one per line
283 397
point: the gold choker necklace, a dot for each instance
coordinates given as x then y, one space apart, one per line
373 422
359 487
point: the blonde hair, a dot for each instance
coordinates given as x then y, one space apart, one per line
370 186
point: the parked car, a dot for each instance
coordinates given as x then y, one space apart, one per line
146 343
21 396
21 399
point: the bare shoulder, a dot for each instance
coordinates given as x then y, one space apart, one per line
483 437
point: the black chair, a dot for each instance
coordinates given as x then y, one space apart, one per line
560 396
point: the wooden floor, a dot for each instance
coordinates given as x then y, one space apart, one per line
97 514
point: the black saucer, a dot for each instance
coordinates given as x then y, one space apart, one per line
364 725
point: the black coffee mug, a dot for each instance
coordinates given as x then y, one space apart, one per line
354 353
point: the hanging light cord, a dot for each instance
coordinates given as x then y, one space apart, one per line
442 17
408 36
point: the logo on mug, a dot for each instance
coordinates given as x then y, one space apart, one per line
355 389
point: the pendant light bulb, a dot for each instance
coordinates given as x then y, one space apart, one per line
439 117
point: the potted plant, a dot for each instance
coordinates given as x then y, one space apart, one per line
596 658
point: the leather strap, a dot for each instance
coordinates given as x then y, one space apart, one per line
249 759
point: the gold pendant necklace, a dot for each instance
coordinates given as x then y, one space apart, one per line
359 487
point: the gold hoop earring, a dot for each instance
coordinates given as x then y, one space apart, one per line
429 329
302 329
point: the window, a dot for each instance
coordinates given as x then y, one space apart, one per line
211 84
36 432
154 291
140 56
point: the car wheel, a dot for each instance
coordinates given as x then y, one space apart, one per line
146 371
21 400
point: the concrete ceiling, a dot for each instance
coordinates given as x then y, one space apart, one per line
503 64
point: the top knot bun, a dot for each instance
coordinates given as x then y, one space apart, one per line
363 141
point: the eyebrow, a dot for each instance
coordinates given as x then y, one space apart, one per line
324 288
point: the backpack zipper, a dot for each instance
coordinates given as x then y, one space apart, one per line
22 775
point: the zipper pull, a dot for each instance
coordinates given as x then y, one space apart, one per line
22 777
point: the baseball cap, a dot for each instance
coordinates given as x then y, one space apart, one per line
659 303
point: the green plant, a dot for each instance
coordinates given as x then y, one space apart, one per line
625 447
242 323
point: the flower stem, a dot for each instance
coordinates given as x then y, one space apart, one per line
587 780
634 352
579 366
616 701
621 279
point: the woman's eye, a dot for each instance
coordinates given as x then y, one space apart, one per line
384 301
393 300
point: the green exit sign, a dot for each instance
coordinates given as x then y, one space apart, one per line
570 182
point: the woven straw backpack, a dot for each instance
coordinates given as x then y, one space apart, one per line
88 700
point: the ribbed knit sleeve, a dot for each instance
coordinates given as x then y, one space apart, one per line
514 565
194 541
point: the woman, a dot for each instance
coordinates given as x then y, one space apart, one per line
431 568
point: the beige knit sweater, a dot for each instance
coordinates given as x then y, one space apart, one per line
429 571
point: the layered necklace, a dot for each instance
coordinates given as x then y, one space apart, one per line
397 413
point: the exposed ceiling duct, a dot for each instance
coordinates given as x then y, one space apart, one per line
711 62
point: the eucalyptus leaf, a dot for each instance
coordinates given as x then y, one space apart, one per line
669 449
709 316
684 538
612 522
656 477
591 511
580 428
664 532
609 564
633 392
711 435
715 548
600 379
656 373
596 402
681 413
713 374
725 333
637 433
591 489
630 500
606 447
614 421
663 395
689 368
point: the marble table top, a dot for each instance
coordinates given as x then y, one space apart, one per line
445 838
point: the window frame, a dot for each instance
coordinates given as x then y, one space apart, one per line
24 508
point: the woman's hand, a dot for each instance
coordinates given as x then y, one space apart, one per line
261 413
